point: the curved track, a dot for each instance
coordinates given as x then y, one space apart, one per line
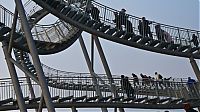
49 39
66 30
80 92
181 37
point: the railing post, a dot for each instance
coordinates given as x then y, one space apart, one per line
189 37
104 16
179 36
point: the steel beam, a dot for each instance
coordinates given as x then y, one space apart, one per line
15 81
106 67
196 70
13 30
91 69
35 57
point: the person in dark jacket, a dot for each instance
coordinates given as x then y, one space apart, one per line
195 40
144 28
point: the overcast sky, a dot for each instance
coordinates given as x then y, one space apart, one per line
123 59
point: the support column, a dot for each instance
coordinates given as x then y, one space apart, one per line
35 57
91 69
41 103
106 67
196 70
15 81
28 80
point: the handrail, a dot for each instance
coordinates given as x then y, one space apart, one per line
77 86
179 35
6 17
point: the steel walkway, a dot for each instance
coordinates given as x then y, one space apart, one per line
77 89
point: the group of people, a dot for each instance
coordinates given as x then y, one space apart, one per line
126 86
121 20
148 80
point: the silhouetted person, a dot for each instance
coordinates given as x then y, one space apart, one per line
94 11
140 27
159 32
129 89
166 81
122 82
159 79
117 21
168 37
191 83
122 19
145 28
129 26
126 86
135 79
195 40
144 79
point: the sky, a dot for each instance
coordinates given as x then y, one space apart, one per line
123 59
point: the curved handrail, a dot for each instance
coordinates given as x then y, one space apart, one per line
80 84
179 35
179 43
60 34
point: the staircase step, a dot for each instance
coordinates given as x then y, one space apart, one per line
77 16
117 99
173 46
60 7
65 99
183 48
36 14
140 99
152 101
4 30
164 100
144 40
153 42
34 100
119 33
84 19
91 98
71 13
193 49
175 101
55 3
79 98
2 102
136 38
97 25
104 99
163 45
90 23
65 10
104 28
111 31
127 35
